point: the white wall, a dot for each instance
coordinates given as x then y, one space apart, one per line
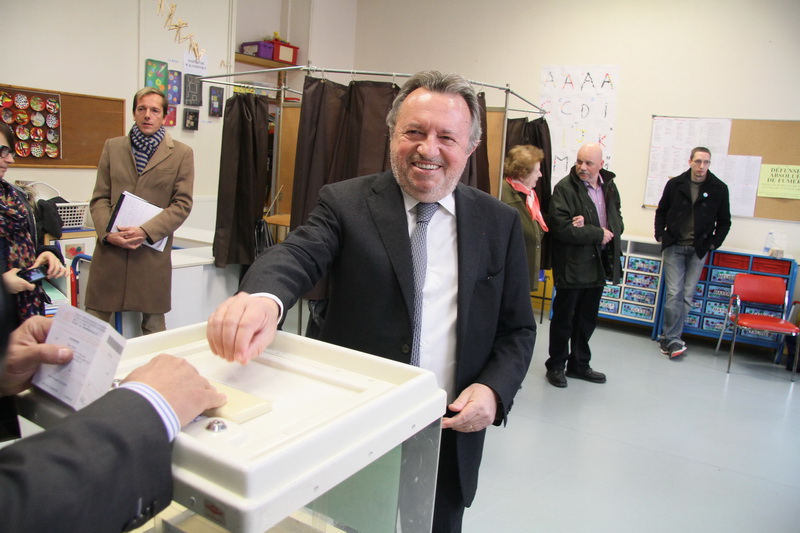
721 58
99 48
718 58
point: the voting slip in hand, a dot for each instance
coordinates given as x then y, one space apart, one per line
134 211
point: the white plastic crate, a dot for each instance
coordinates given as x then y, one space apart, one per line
73 215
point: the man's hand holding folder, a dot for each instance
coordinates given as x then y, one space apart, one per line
124 229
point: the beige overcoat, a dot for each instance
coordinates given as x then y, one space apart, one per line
141 279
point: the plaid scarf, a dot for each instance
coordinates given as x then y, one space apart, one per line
144 146
21 251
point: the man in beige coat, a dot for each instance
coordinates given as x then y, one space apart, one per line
125 275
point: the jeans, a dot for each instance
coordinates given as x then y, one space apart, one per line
682 269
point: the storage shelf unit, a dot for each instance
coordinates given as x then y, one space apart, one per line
637 298
714 290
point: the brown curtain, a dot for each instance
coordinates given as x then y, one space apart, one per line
244 176
343 134
320 122
536 132
476 173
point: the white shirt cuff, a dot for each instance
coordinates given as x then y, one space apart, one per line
274 299
162 407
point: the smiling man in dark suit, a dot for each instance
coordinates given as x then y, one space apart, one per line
475 323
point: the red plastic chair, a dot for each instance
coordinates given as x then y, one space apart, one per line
753 288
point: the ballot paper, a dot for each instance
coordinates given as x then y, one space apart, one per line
97 351
134 211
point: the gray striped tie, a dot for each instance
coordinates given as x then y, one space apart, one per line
419 254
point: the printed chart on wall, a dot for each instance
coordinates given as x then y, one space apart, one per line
757 159
580 102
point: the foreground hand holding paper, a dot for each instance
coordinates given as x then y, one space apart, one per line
97 351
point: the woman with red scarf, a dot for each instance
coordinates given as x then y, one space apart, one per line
18 248
522 170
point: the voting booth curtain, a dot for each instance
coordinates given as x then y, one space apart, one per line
343 134
536 132
244 177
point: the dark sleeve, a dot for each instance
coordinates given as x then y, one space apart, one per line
50 248
723 222
105 468
565 204
515 332
293 267
660 220
618 205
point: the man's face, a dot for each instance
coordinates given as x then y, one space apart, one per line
430 144
700 163
588 163
149 114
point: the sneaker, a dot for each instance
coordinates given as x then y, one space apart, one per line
675 349
663 346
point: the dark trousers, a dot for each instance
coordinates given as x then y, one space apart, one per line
448 509
574 319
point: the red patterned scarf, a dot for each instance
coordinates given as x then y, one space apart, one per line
531 202
14 229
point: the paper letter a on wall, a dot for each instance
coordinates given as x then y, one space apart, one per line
587 79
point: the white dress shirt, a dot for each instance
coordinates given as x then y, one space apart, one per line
440 293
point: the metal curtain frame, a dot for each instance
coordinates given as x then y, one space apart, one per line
318 70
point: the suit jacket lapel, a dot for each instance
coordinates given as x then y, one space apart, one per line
472 227
388 212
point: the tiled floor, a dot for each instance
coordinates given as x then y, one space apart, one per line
663 446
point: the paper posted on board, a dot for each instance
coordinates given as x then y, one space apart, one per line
134 211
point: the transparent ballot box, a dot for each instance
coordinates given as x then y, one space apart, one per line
324 439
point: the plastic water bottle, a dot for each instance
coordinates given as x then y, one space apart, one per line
769 242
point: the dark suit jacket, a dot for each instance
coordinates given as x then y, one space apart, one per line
359 235
106 468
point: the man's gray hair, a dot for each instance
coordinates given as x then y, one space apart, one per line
435 81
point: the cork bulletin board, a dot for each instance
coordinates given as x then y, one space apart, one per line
76 128
776 142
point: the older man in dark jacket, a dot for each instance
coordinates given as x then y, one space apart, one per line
693 217
585 255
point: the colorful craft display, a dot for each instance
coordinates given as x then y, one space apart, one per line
26 112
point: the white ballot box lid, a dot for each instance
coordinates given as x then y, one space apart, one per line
331 412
